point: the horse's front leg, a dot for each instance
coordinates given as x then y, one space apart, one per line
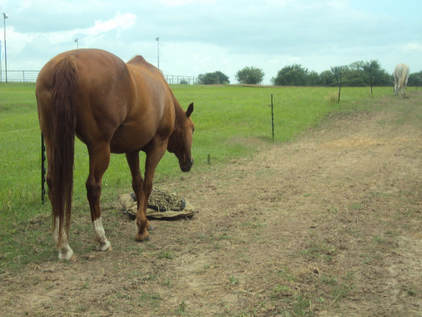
99 158
154 151
138 188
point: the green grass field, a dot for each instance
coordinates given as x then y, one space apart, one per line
225 117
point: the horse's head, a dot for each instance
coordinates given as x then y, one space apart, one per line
180 141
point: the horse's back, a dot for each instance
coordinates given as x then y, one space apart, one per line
102 95
99 73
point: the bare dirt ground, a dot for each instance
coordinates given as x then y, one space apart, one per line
327 225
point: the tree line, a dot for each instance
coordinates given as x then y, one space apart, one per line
359 73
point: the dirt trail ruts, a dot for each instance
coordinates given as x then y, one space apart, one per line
327 225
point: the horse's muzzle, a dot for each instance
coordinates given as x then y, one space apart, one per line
186 166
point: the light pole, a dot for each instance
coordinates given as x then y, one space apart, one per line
158 52
77 42
5 50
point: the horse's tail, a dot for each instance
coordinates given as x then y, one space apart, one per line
63 142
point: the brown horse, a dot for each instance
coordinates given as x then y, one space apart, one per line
113 107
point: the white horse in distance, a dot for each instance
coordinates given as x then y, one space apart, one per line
401 75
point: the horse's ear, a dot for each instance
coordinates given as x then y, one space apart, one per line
190 110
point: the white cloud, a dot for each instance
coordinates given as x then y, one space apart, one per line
17 41
413 47
25 4
120 21
279 3
177 3
338 4
25 44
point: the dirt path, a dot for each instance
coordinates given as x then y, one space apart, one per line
328 225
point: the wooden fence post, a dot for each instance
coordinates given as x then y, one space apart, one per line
272 117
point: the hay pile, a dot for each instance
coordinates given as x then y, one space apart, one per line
161 205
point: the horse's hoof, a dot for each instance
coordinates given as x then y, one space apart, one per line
106 246
68 258
142 237
66 254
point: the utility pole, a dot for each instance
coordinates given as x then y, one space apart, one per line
5 50
158 52
77 43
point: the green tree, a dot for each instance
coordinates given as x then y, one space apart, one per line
372 71
214 78
358 65
250 75
415 79
326 78
359 73
354 77
313 79
293 75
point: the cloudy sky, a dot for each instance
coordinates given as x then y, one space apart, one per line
199 36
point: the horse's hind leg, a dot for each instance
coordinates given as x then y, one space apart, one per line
65 251
99 157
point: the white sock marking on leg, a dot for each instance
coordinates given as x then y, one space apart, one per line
101 237
65 251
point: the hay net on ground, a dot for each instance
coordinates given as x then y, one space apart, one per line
161 205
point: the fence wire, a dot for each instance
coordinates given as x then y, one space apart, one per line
30 76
